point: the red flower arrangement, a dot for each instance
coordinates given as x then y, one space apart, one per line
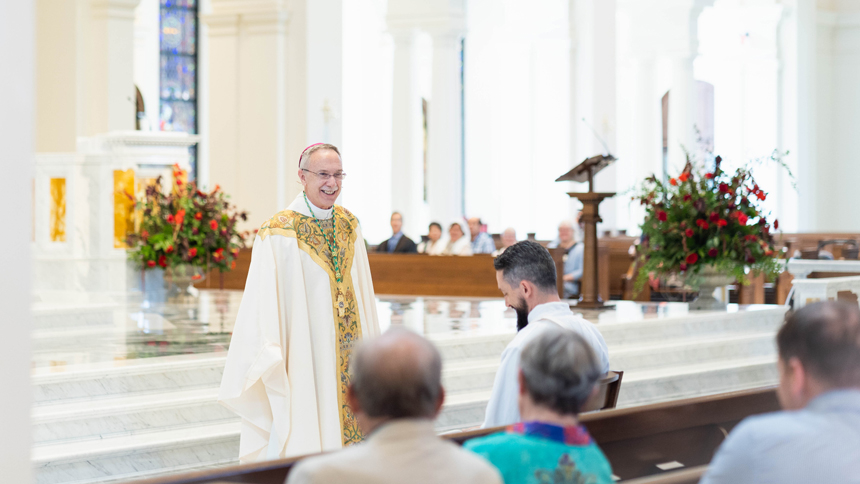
167 239
706 218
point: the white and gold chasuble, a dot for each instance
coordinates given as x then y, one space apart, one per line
287 367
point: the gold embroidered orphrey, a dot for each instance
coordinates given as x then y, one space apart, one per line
346 318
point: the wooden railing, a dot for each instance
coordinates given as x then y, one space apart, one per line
635 440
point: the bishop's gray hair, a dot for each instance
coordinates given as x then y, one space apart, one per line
397 375
560 370
306 155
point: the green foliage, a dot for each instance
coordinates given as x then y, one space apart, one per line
186 227
706 217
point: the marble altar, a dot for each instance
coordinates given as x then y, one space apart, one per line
123 392
802 268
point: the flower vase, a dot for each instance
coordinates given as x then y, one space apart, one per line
179 281
708 280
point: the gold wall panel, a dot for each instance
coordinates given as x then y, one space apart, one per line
57 230
123 206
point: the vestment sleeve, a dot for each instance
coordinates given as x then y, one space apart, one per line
255 377
735 460
503 407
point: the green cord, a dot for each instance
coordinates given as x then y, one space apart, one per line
332 246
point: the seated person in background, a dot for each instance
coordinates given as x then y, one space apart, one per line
509 238
482 242
526 276
817 438
435 244
573 259
458 244
557 376
395 394
398 242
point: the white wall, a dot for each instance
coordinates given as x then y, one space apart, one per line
367 87
17 48
517 115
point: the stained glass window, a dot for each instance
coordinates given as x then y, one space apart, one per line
178 86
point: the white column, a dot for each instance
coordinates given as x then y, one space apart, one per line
407 137
682 112
58 40
17 48
444 131
110 73
798 132
593 93
247 116
147 59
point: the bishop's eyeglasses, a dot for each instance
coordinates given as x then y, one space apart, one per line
325 176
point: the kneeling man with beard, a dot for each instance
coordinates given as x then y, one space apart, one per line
526 276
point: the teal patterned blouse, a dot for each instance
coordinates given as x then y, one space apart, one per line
540 453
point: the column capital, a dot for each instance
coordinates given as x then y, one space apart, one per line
257 16
114 9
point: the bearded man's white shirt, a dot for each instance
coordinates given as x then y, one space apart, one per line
286 373
503 407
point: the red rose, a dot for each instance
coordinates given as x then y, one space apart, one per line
198 216
714 216
776 224
218 255
220 251
722 222
180 217
150 263
169 249
192 252
692 258
742 219
684 177
688 232
712 253
709 176
661 216
683 266
144 235
162 261
673 182
170 218
178 182
702 224
761 196
724 188
688 197
213 225
749 238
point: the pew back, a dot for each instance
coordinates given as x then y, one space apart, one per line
634 439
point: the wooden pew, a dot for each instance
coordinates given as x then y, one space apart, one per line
634 439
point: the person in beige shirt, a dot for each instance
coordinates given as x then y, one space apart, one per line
395 394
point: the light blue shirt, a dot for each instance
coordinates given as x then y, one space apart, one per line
820 443
573 264
392 242
483 244
503 408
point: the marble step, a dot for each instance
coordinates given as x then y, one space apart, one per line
650 386
690 352
138 377
457 347
137 456
75 315
126 415
691 326
148 454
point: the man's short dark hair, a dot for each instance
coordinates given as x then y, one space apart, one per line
825 337
435 224
527 261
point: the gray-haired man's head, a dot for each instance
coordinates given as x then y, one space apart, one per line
397 375
559 371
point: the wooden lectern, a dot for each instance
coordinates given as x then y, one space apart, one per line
584 172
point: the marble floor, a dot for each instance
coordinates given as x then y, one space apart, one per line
127 390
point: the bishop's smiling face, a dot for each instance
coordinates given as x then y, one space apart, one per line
322 192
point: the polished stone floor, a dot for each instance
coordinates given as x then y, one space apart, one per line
128 390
